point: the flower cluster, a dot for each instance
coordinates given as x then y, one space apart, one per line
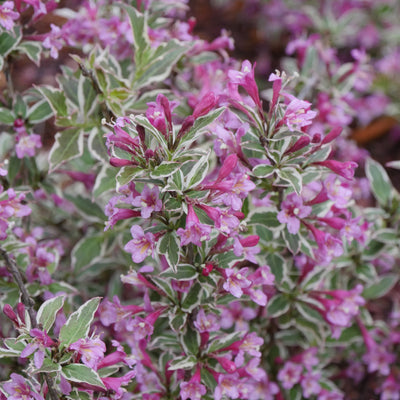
176 223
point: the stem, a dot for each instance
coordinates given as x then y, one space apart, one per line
107 113
16 274
28 303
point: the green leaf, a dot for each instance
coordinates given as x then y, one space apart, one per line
128 174
192 298
159 63
183 362
139 26
278 266
105 181
67 146
31 49
165 169
309 313
198 172
198 127
8 42
39 112
292 176
268 219
47 312
295 393
82 374
177 320
165 286
386 236
292 241
278 305
78 323
87 251
184 272
143 121
87 207
263 171
56 99
379 181
169 246
191 341
208 379
380 288
48 366
225 341
20 107
7 117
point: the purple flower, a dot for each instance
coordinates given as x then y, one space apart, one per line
91 351
290 374
7 15
193 389
159 113
148 201
227 386
310 384
293 210
344 169
246 79
26 145
206 322
54 41
40 342
19 389
142 244
297 114
390 389
236 281
194 232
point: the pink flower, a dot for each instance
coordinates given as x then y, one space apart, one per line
276 90
227 386
91 351
7 15
390 389
54 41
194 232
206 323
142 244
148 201
40 342
293 210
310 384
236 281
290 374
246 247
159 114
344 169
297 114
378 359
19 389
115 384
193 389
26 145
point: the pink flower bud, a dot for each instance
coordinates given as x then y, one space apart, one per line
205 105
332 135
227 167
227 365
9 312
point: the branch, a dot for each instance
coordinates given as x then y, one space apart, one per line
28 303
16 274
107 113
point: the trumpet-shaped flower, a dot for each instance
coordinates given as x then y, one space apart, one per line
142 244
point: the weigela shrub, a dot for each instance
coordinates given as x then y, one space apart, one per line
195 230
